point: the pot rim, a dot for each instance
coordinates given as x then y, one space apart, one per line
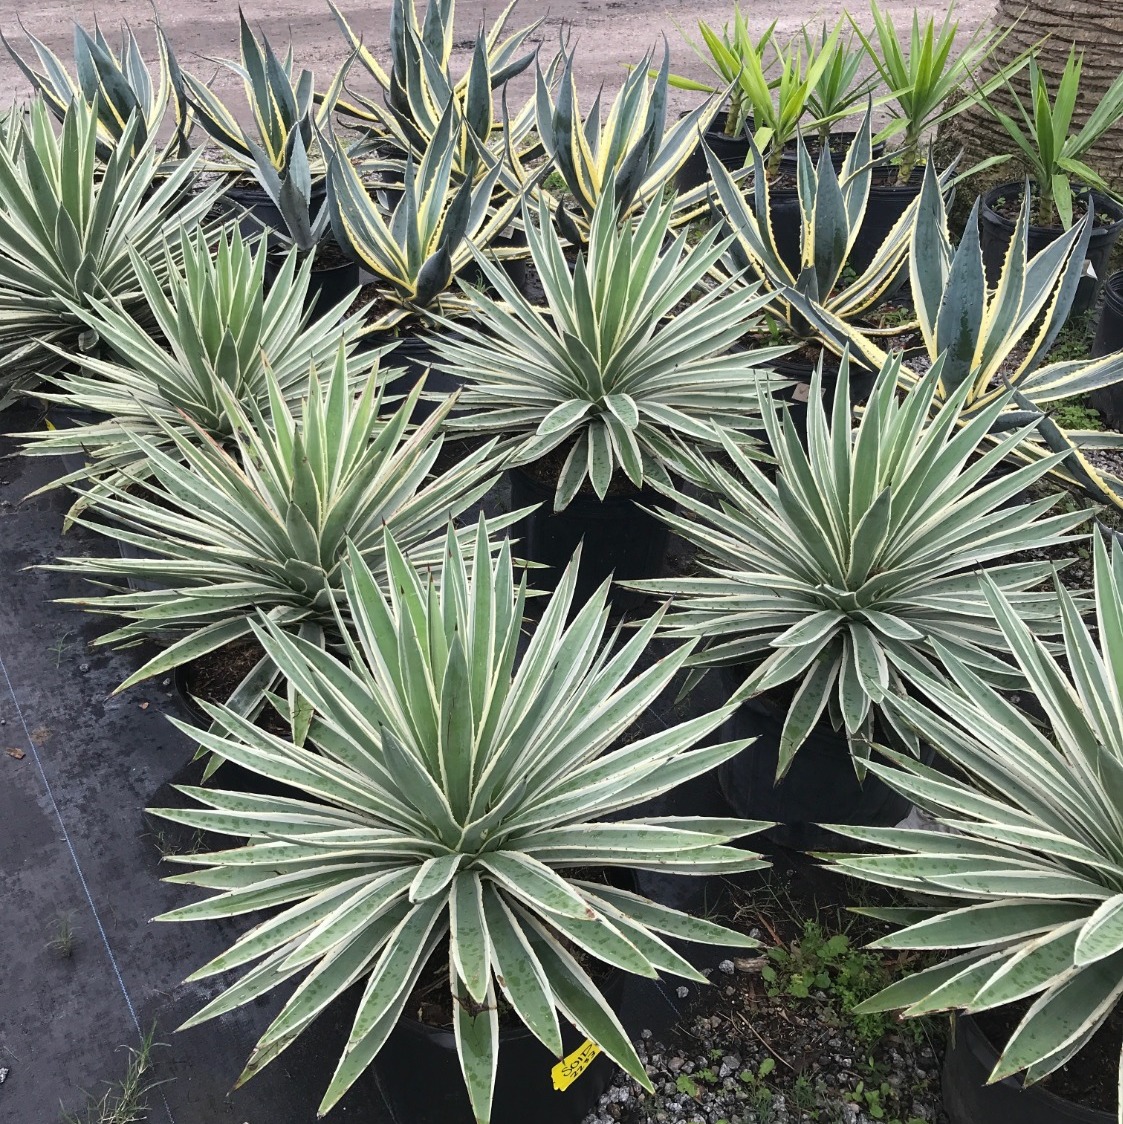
984 1051
1100 200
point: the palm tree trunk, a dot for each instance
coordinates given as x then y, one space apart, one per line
1096 28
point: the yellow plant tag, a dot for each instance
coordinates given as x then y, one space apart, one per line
570 1068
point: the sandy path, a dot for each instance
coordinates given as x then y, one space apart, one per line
609 32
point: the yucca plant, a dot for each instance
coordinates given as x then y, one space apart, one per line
280 99
415 252
927 75
727 54
453 808
218 327
609 371
1051 151
226 536
1027 880
846 577
832 210
780 106
116 85
631 146
996 337
72 231
841 90
420 85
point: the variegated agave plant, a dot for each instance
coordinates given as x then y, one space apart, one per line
609 371
420 86
453 803
846 576
1027 883
218 329
994 338
225 536
281 101
832 210
631 147
115 85
415 251
73 229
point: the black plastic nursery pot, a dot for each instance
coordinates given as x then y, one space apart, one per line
820 785
800 371
732 151
328 284
331 284
416 355
619 537
1109 338
1109 331
786 218
997 231
515 268
420 1078
261 211
888 201
969 1061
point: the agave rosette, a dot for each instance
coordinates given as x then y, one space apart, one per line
833 207
630 149
1027 882
226 535
996 339
420 87
218 328
281 99
73 229
845 577
416 250
453 797
116 85
610 370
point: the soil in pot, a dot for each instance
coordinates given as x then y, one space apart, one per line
419 1069
997 216
1082 1092
1109 338
839 144
619 537
214 677
820 785
774 1038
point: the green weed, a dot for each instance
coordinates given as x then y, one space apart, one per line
126 1101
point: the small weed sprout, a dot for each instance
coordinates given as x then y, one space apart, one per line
61 943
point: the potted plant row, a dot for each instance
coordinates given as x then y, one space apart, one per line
437 786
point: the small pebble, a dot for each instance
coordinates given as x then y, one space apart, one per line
726 967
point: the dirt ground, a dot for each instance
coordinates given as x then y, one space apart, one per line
609 33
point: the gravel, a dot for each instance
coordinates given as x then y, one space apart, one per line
751 1059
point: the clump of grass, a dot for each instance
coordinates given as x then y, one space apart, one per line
125 1101
62 937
